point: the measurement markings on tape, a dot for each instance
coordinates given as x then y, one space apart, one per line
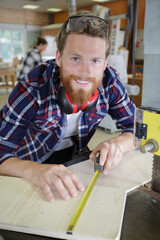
82 202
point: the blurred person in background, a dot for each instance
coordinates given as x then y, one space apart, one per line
32 57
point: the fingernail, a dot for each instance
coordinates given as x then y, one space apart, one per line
74 194
105 172
66 196
50 197
101 163
51 200
82 188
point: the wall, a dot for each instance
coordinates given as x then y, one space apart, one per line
119 7
23 17
42 19
32 37
29 22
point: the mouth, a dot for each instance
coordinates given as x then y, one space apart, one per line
82 82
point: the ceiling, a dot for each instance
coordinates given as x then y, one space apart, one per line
45 4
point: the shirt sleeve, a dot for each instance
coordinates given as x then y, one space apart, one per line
36 58
121 108
15 117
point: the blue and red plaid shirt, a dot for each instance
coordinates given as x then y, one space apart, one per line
32 124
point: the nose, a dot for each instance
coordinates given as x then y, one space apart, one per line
85 69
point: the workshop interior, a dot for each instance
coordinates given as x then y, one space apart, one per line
134 53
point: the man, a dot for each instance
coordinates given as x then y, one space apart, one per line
32 57
34 123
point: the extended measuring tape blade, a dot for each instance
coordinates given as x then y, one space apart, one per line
82 202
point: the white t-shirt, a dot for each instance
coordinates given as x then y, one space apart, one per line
72 130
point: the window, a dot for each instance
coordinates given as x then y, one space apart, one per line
11 45
50 51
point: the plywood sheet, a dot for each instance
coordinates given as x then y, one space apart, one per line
132 171
24 209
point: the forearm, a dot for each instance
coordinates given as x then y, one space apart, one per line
44 176
17 168
124 142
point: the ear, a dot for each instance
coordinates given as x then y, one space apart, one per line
58 58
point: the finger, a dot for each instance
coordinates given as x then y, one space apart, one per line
57 182
71 181
114 156
108 163
92 155
48 193
103 148
103 155
107 167
111 154
79 185
110 158
69 185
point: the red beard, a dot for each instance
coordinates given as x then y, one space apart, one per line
79 96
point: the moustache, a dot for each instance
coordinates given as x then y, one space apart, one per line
80 78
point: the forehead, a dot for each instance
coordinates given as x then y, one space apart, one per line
79 43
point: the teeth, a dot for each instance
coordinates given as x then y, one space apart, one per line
82 81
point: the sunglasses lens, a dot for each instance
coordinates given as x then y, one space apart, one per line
75 24
78 22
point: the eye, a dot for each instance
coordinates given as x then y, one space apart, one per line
95 60
75 59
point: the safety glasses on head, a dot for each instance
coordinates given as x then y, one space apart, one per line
76 23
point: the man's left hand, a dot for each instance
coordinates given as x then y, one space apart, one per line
110 155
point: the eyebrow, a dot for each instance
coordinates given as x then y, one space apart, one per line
78 55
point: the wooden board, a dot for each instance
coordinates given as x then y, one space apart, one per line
24 208
132 171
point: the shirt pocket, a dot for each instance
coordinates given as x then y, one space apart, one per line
45 125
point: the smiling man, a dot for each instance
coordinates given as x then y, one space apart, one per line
54 110
81 68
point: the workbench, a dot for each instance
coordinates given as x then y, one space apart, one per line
138 214
9 73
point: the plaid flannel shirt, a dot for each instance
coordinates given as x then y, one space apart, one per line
32 124
31 60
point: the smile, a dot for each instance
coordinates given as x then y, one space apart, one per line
82 82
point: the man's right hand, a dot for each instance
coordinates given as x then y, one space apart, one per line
45 176
66 182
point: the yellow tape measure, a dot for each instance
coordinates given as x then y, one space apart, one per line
82 202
